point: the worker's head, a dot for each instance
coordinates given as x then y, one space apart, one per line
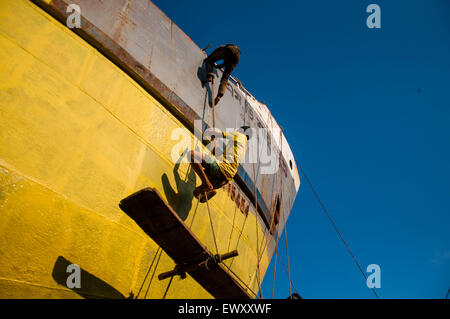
246 130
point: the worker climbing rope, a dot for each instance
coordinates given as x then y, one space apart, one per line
230 54
216 173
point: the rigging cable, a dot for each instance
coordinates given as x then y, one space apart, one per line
243 282
291 284
232 228
146 275
334 225
211 223
255 195
273 182
217 251
213 102
285 270
265 240
287 257
154 271
256 227
168 286
274 269
193 217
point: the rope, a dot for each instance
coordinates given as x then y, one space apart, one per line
262 247
211 223
274 270
240 235
217 250
291 283
335 226
239 278
285 270
154 271
203 116
275 179
273 182
287 257
153 261
213 103
265 241
232 228
255 177
279 198
168 286
195 212
288 272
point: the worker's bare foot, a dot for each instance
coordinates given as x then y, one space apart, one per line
209 195
202 189
201 196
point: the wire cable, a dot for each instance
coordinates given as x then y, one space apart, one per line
334 225
287 257
151 265
285 270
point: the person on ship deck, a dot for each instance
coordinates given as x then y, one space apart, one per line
230 54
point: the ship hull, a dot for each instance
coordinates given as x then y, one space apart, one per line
78 135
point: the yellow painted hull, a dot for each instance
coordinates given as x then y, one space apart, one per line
76 136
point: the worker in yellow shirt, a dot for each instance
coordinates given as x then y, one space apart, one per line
216 173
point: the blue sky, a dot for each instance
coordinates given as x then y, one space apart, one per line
367 114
